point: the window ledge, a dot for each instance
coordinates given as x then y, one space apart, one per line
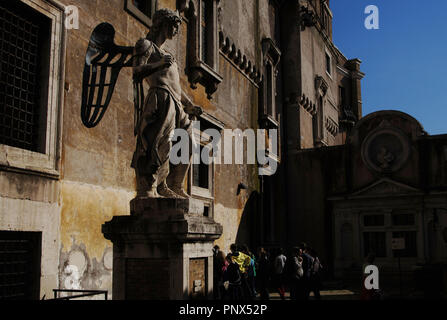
268 122
201 192
201 73
25 161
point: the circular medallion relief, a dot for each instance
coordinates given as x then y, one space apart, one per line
385 150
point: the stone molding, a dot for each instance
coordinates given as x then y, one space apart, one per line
247 67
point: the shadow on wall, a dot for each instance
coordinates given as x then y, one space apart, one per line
248 232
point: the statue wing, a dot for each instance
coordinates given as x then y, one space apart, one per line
103 63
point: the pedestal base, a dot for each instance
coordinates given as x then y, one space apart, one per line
163 250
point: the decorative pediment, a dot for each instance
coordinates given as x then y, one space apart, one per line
385 187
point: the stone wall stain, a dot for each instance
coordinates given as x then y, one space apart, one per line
84 209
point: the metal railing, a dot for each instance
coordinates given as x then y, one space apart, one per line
82 294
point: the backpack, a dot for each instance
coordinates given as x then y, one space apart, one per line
293 269
232 274
316 266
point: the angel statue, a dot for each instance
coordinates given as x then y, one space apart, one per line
164 108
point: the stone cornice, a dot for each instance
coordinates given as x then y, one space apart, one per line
247 67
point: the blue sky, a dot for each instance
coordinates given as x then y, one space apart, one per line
405 61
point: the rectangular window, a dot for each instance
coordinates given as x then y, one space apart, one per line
206 211
32 49
270 91
24 59
20 259
374 220
403 219
374 242
267 93
328 64
410 244
142 10
200 174
204 33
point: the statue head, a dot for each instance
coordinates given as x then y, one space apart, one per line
164 20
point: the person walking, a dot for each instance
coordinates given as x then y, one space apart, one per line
278 269
232 275
315 276
218 268
263 273
251 272
243 261
296 275
307 269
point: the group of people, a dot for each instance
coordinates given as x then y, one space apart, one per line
241 275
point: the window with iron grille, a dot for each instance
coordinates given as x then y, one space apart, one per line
24 56
20 255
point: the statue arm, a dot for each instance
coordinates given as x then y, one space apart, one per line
141 67
146 69
189 107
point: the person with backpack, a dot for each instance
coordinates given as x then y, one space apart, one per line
243 261
315 276
232 275
251 272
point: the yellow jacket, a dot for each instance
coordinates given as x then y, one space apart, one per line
242 260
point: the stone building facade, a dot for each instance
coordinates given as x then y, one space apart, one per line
249 64
321 94
383 192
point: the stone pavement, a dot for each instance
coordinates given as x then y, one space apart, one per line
342 294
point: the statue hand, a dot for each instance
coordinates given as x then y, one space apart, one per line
167 61
193 110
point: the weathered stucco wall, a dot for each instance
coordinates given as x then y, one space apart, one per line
98 182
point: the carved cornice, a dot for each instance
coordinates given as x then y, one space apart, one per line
302 101
331 126
229 49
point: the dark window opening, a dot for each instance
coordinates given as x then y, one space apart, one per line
270 91
24 62
206 31
20 258
206 211
200 174
374 220
403 219
374 242
145 6
410 244
142 10
328 64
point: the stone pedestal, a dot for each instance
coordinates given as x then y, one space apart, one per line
163 250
